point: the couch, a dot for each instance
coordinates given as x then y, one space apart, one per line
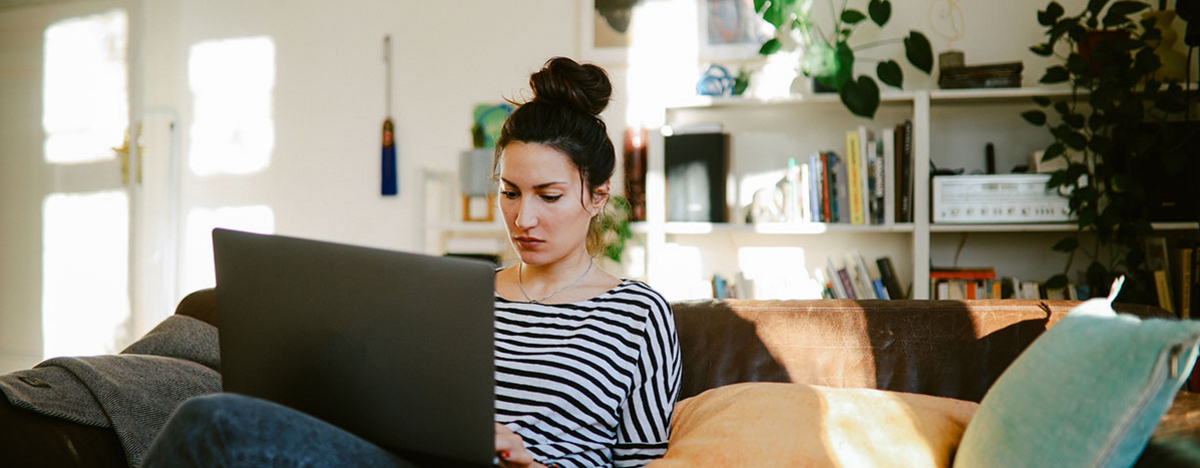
946 349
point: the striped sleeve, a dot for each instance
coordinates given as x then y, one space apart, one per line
646 414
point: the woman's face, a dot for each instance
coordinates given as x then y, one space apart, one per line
540 193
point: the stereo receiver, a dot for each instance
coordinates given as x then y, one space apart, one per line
993 199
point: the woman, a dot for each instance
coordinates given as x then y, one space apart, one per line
587 365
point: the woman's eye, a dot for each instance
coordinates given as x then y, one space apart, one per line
551 198
508 194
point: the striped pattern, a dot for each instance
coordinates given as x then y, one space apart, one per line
589 383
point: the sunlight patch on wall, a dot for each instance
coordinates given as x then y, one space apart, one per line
85 292
197 268
84 88
233 131
662 59
685 281
777 273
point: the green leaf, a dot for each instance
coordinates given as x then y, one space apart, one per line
1051 14
880 11
1035 117
1061 28
1076 64
1095 121
852 16
1042 101
1057 281
861 96
1062 107
918 51
1075 120
1044 49
1074 140
1077 32
1058 179
1094 6
845 64
773 13
890 74
1118 13
1055 74
771 46
1053 151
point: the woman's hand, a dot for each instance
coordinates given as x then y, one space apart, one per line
510 448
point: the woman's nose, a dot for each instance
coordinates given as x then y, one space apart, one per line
526 214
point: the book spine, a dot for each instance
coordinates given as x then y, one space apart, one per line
814 194
909 172
854 173
1162 285
888 274
889 176
826 178
838 289
847 283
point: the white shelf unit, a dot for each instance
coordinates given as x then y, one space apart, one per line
763 135
950 128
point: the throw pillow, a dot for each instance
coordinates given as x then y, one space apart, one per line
1086 393
784 424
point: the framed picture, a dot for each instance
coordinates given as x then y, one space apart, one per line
605 28
730 30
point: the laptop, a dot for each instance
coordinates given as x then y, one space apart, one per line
393 347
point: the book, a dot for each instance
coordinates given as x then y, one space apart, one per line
887 274
826 177
904 152
888 139
847 283
839 288
814 188
1156 261
963 273
839 204
1180 261
854 171
865 280
875 183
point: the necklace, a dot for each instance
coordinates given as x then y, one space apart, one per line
521 283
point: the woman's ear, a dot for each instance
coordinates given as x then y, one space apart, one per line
600 197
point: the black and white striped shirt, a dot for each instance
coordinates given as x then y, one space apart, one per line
589 383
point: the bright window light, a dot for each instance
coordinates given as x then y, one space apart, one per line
662 59
232 127
85 292
198 272
84 91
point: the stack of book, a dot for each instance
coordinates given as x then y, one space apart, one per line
1176 275
998 75
856 279
870 183
965 283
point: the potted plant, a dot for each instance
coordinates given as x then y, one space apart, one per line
1107 58
828 57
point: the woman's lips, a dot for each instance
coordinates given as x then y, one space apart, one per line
528 242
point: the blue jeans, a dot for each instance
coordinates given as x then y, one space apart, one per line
228 430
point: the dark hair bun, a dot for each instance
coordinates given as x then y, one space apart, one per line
566 82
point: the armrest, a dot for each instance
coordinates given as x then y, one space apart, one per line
200 305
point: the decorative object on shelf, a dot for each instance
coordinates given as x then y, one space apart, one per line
830 58
389 184
697 165
715 81
1114 117
488 119
996 75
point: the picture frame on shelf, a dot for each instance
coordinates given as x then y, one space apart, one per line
605 30
730 30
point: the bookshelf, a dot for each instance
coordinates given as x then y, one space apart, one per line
950 130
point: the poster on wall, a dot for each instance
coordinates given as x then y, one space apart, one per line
605 29
730 30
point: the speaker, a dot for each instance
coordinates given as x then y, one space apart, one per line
697 165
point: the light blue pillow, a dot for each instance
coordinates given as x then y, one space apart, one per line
1087 393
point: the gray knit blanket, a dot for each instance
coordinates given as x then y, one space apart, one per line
133 392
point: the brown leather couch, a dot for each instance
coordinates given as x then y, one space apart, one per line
952 349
